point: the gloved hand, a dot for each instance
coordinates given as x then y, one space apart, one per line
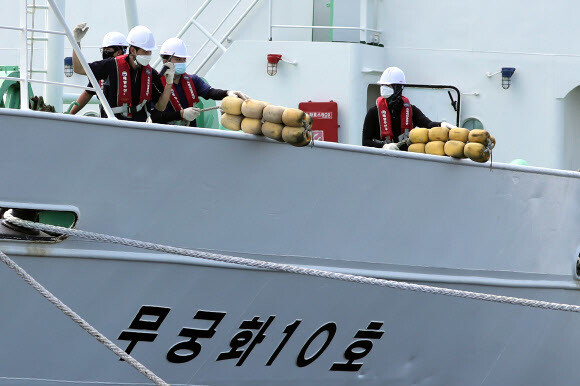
169 73
80 31
238 94
190 113
448 125
390 146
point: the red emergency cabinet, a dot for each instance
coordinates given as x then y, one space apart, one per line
325 116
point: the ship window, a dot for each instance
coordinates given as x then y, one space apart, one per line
472 123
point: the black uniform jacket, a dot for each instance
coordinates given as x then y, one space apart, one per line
372 128
107 69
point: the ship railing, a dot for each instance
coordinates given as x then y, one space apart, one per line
211 36
363 27
23 58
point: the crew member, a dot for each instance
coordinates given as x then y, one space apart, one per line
389 122
135 90
187 88
114 44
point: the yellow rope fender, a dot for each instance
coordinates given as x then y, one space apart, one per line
232 105
296 136
454 149
419 135
252 126
252 108
293 117
273 130
459 134
479 136
417 147
438 134
232 122
435 147
273 113
476 152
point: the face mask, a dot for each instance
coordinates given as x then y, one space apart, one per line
107 54
386 91
143 59
180 68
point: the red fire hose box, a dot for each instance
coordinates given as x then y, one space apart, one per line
325 116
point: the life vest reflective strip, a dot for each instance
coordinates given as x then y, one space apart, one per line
188 88
385 118
124 95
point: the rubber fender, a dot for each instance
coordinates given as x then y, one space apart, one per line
293 117
438 134
252 126
454 148
296 136
232 105
476 152
479 136
273 113
419 135
417 148
435 147
232 122
273 130
459 134
252 108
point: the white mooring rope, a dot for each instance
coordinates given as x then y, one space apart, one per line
294 269
80 321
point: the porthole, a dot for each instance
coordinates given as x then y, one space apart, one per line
472 123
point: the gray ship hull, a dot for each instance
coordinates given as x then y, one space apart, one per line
512 231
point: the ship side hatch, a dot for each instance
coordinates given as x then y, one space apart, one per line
12 232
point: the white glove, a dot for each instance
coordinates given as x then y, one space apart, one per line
238 94
80 31
390 146
190 113
169 73
448 125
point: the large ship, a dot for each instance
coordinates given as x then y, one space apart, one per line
299 250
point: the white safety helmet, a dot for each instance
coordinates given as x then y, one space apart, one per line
392 75
175 47
141 37
113 39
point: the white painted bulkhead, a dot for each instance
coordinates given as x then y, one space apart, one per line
449 42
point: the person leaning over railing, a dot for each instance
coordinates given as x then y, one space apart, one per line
187 88
114 44
388 124
135 91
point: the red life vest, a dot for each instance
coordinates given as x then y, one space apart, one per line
124 95
188 88
385 118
